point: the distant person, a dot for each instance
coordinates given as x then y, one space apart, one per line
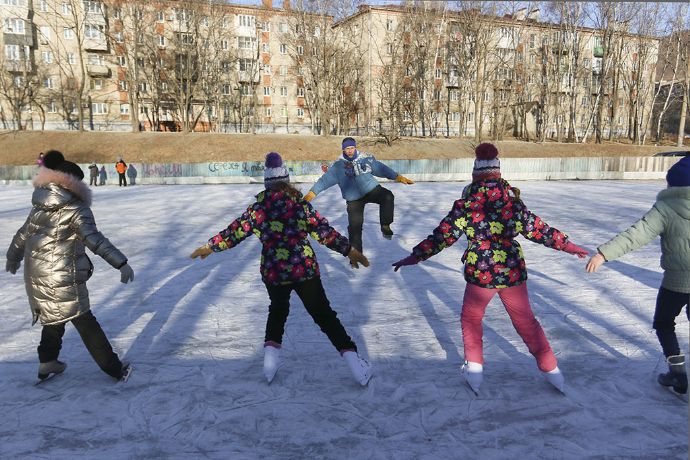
492 215
132 174
670 219
52 244
354 173
93 174
121 168
283 221
102 175
39 160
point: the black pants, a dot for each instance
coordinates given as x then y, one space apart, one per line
93 337
93 180
355 213
314 298
669 304
123 179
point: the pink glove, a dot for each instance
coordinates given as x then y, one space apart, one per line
572 248
409 260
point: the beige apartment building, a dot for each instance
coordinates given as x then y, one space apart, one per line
206 66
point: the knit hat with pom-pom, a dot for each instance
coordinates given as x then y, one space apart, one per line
486 163
56 161
275 170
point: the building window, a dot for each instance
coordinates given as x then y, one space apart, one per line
245 65
283 28
532 59
438 73
283 48
92 7
454 95
225 89
267 90
43 6
437 94
470 117
66 8
300 92
245 43
12 52
48 83
225 44
282 70
124 109
300 112
121 61
99 108
268 112
300 50
245 21
119 37
283 91
161 41
283 112
14 26
264 47
67 33
95 59
389 48
71 58
96 83
267 69
52 107
47 57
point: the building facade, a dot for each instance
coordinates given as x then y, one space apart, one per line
209 66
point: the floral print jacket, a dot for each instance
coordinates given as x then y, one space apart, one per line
492 216
282 224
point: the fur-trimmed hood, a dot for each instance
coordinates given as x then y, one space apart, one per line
55 189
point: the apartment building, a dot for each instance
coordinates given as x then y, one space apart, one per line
396 70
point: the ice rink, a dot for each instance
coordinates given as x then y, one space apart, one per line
194 332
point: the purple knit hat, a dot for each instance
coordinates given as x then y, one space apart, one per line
274 170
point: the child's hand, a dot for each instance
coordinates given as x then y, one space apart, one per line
409 260
574 249
12 266
202 251
357 258
126 274
595 262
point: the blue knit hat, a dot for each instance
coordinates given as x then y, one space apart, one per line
274 170
679 174
349 142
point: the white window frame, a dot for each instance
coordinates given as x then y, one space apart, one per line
124 109
300 112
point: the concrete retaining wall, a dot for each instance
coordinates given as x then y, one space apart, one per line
418 170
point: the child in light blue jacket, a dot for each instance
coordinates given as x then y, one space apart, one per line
670 219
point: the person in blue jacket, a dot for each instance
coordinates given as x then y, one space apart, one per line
354 173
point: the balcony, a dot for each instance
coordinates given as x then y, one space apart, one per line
598 51
97 70
248 76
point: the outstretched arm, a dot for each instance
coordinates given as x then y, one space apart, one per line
238 230
327 180
637 235
448 231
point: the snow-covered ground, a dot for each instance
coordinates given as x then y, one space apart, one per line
194 332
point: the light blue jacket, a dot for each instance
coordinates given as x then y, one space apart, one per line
356 177
670 219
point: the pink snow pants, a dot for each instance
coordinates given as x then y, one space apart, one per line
516 302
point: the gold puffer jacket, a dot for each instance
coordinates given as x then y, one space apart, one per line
52 245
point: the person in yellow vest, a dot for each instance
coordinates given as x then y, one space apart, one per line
121 167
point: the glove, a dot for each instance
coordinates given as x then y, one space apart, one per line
357 258
595 262
12 266
574 249
201 251
403 180
310 196
409 260
126 274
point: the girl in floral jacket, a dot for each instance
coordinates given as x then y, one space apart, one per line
492 215
282 220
